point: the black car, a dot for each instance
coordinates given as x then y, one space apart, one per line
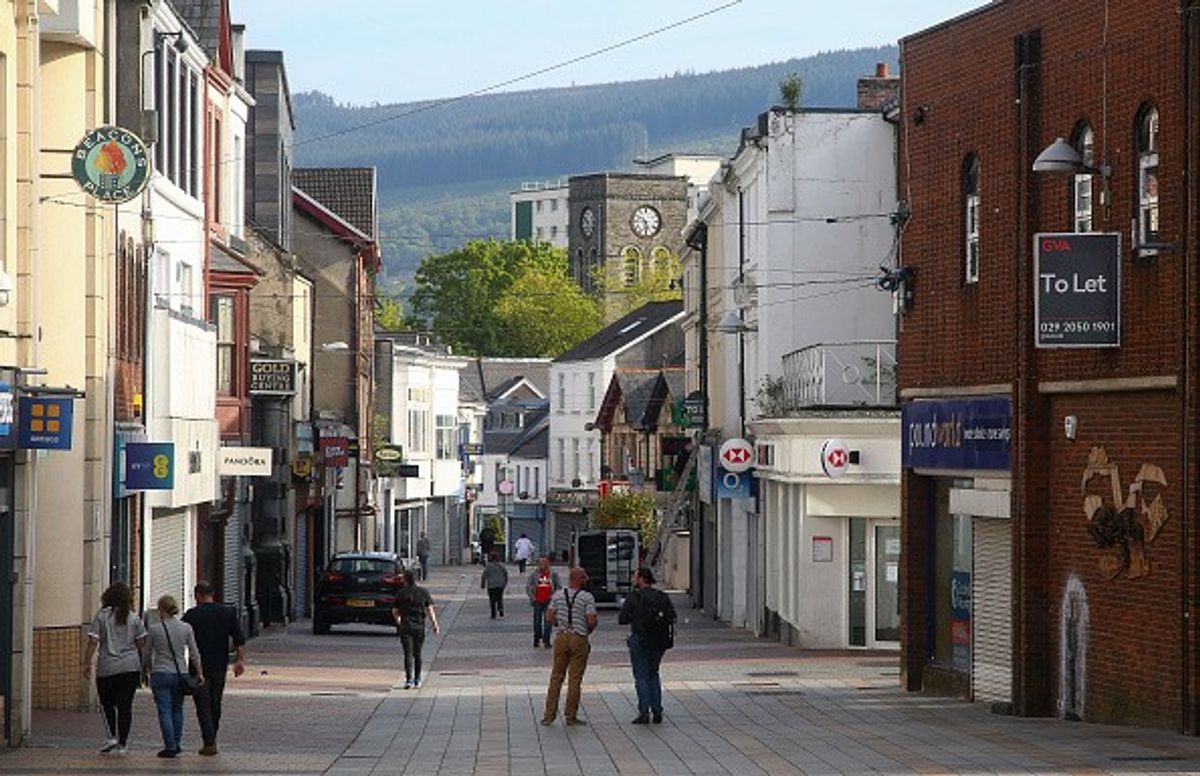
357 587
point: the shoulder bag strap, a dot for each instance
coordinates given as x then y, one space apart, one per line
175 660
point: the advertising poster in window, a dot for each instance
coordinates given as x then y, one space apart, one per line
960 619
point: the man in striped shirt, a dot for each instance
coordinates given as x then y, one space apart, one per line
573 614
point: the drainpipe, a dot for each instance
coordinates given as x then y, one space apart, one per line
1188 30
742 312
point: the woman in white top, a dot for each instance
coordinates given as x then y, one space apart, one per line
118 635
173 653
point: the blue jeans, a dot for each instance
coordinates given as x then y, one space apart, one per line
424 560
541 628
168 699
645 663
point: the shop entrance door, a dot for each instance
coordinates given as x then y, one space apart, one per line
885 587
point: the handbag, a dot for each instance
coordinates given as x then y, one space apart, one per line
187 683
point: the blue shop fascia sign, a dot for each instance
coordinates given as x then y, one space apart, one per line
958 434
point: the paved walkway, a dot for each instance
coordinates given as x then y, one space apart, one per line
734 705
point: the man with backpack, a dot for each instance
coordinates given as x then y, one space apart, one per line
541 586
651 617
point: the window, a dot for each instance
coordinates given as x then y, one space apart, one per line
562 392
217 193
575 458
553 232
1147 172
1081 185
661 256
537 485
562 459
445 436
539 206
172 136
499 476
591 458
418 435
631 265
591 390
541 234
970 185
222 318
554 206
193 138
184 287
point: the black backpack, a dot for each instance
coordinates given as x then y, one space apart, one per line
657 620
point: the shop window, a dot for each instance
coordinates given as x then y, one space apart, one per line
953 563
1147 176
970 189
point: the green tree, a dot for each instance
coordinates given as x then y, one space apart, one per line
791 91
544 313
633 282
457 292
628 510
389 314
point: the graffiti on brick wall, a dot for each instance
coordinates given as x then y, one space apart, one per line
1128 522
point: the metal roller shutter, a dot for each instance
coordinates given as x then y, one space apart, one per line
531 527
168 557
565 524
232 591
301 565
991 596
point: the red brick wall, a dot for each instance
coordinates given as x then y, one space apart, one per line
959 97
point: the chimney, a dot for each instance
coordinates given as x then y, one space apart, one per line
878 90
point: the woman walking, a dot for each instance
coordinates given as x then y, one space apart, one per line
413 605
495 579
117 635
172 643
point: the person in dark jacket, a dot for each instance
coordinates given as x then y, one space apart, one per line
645 647
215 626
495 579
487 543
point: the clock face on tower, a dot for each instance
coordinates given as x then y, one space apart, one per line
587 222
646 221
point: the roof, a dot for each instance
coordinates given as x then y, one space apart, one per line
222 260
489 379
204 17
347 192
625 331
505 441
536 443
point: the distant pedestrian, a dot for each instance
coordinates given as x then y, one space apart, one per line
423 555
523 552
117 635
215 626
540 587
487 543
651 617
495 580
172 650
413 605
573 612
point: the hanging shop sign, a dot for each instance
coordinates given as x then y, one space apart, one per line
959 434
733 485
1077 302
8 416
44 423
149 466
336 451
835 458
737 455
111 164
272 377
244 461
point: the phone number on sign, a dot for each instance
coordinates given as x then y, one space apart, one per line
1078 327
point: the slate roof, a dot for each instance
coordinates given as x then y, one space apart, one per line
536 443
642 393
204 17
486 379
222 260
347 192
625 331
505 441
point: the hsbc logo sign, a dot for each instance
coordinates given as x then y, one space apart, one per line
835 458
737 456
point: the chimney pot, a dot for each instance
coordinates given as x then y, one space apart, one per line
881 69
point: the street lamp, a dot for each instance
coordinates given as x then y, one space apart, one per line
1062 158
731 323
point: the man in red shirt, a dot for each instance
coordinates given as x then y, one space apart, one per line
540 587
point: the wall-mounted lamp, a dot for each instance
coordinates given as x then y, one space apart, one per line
731 323
180 43
1062 158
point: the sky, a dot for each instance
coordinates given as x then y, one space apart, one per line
401 50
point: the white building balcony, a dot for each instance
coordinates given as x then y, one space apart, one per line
835 374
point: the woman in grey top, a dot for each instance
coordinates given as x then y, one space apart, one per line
118 635
172 643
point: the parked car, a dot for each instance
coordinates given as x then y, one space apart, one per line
357 587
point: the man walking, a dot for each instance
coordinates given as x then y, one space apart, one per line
523 552
495 580
413 605
215 626
543 582
574 614
423 555
651 617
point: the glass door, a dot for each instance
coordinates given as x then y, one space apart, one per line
887 584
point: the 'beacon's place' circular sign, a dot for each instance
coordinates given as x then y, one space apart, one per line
111 164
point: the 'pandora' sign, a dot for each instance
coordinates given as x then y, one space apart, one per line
244 462
1078 294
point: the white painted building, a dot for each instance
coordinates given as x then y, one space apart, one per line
798 223
539 212
649 337
422 397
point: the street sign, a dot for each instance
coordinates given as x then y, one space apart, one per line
835 458
1077 301
44 423
111 164
471 448
149 466
691 410
737 455
505 488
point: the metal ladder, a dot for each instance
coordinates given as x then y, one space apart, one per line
671 514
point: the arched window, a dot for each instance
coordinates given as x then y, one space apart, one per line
970 193
1147 176
1081 185
631 265
660 255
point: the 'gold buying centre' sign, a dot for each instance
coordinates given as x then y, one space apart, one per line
272 377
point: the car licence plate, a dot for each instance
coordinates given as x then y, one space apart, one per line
361 603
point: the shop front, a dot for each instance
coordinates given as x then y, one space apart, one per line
957 522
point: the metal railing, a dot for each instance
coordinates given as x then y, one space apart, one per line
840 374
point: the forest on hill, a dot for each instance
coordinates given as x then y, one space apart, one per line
445 167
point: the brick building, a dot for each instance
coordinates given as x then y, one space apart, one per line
1049 562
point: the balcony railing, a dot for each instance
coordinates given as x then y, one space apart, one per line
840 374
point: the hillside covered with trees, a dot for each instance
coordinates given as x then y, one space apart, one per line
445 167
